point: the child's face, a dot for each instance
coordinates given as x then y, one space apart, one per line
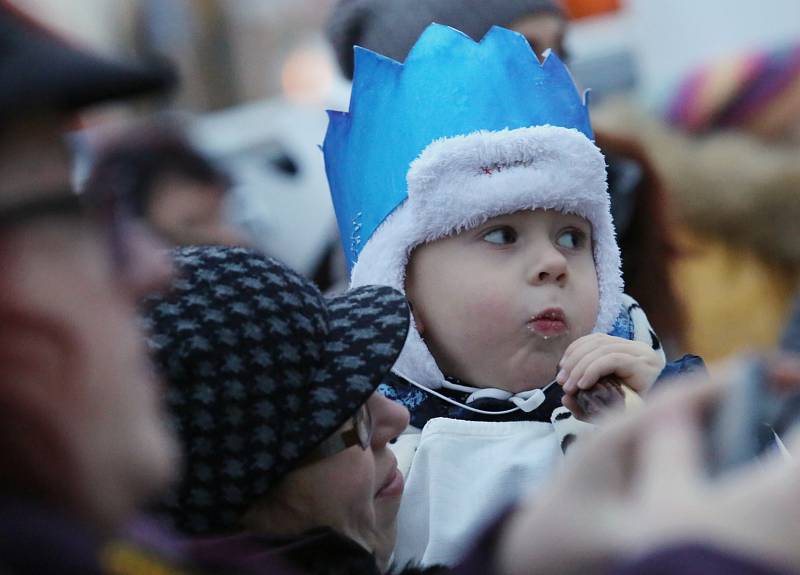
498 304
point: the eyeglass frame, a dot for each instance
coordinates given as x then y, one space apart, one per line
62 203
109 209
359 434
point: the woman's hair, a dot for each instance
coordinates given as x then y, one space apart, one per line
142 156
647 246
277 512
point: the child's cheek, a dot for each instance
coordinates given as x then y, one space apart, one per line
488 311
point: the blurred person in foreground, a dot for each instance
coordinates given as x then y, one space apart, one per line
178 191
83 440
640 490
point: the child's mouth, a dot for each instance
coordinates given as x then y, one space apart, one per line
548 323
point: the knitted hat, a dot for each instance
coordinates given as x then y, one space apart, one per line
460 133
39 70
260 368
758 90
392 26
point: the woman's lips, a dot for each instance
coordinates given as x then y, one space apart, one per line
393 486
548 323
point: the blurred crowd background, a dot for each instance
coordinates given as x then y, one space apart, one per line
709 89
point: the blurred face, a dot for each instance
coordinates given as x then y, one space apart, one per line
61 275
498 305
187 212
543 31
356 491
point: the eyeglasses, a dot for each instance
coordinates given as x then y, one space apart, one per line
359 434
62 203
107 210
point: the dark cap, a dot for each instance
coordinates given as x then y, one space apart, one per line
391 27
260 368
41 71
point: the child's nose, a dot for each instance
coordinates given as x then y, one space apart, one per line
389 419
549 266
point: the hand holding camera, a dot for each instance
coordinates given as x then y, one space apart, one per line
642 482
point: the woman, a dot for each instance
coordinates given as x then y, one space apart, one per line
272 390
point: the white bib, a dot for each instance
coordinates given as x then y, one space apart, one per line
462 474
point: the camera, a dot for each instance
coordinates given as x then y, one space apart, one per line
753 417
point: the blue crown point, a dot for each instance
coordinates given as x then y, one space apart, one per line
449 85
438 41
512 47
372 70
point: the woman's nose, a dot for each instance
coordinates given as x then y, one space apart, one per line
149 267
389 419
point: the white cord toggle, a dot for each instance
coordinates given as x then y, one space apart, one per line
526 401
529 404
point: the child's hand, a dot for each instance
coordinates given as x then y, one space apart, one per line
592 356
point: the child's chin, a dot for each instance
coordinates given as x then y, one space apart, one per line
539 375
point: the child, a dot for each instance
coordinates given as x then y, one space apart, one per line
467 178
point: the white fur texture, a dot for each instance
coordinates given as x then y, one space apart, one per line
543 167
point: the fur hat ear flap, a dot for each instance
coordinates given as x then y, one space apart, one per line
408 288
420 325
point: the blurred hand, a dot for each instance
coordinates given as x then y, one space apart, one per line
641 483
783 369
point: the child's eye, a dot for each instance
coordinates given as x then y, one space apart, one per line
501 236
571 239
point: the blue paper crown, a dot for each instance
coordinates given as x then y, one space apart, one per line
449 86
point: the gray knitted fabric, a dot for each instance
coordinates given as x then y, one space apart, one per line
390 27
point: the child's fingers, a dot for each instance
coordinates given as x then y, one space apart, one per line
620 363
634 370
571 375
577 351
571 380
580 347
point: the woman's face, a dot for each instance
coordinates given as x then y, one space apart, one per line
356 491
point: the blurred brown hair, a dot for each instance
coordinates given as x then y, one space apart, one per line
647 246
